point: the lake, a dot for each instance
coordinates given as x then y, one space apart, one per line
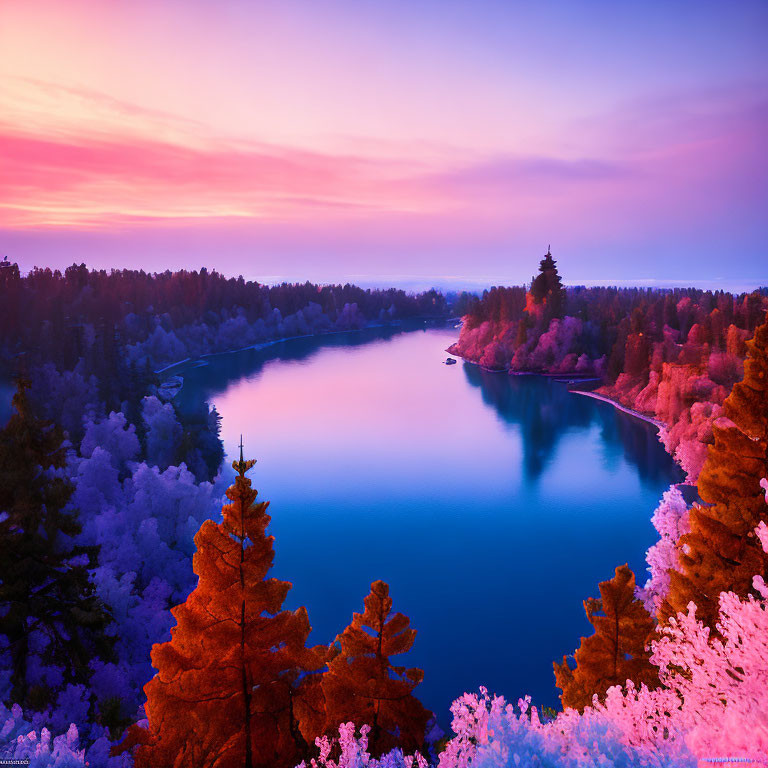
491 504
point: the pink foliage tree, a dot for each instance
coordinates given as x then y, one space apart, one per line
671 521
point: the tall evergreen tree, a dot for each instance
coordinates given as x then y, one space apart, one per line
236 685
547 287
48 607
616 652
361 684
721 552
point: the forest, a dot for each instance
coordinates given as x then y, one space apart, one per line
673 355
139 625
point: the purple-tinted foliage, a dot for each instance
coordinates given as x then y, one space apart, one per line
164 432
115 436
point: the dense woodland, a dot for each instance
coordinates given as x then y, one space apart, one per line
58 316
114 329
89 342
138 621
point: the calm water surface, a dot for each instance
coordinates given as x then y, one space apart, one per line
491 504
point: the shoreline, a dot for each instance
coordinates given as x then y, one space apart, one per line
257 347
656 423
174 370
562 377
260 345
169 372
472 362
576 377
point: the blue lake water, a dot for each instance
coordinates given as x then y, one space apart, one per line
491 504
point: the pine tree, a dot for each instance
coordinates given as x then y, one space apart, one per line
721 552
48 607
616 652
236 686
361 684
547 287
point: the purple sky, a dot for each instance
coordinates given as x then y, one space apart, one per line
413 143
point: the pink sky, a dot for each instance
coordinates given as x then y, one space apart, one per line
325 140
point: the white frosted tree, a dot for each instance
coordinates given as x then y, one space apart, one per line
671 521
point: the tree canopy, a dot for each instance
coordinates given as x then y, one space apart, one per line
52 625
364 687
236 684
721 552
616 652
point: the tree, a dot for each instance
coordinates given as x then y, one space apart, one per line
547 287
616 652
361 684
721 553
48 607
164 433
671 521
236 685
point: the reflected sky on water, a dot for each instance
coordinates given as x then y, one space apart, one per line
492 504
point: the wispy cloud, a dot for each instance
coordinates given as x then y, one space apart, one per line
70 181
103 162
516 173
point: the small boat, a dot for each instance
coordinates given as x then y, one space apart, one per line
450 361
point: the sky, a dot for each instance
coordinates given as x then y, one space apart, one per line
388 141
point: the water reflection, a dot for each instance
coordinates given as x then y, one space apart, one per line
215 373
545 411
466 491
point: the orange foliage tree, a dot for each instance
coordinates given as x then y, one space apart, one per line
236 685
362 686
616 652
721 553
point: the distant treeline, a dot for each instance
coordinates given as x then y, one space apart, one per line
612 314
56 316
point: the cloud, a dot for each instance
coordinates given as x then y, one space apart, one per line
42 93
506 172
95 180
56 180
697 155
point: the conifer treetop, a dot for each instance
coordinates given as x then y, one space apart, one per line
236 687
616 652
547 287
242 466
363 686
